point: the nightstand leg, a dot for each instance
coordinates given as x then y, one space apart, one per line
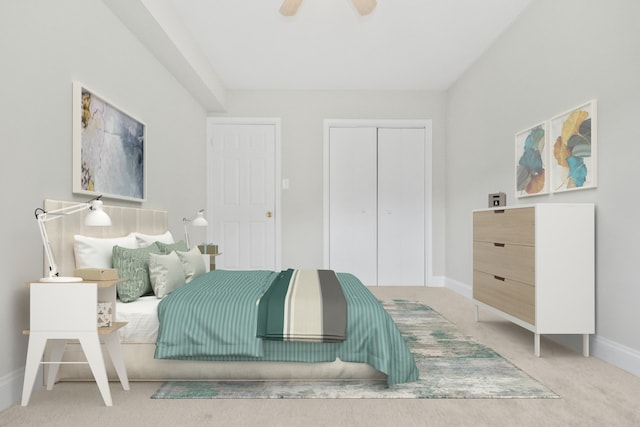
56 347
112 342
91 347
34 357
536 345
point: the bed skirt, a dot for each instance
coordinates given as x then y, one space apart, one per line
141 366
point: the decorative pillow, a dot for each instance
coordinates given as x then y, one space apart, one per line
93 252
166 273
145 240
167 248
192 263
133 266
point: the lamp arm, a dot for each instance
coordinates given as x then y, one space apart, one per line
53 268
186 221
42 215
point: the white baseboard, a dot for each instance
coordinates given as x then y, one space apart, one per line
11 388
435 281
459 287
609 351
616 354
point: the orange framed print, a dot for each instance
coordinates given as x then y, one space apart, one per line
574 143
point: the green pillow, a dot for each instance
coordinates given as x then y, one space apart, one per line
133 267
167 248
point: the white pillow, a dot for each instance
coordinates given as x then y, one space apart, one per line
145 240
166 273
192 263
93 252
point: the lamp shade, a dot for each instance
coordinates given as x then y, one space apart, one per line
97 216
199 220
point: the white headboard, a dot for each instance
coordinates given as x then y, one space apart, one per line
124 221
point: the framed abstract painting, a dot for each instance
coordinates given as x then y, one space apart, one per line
109 148
573 135
532 161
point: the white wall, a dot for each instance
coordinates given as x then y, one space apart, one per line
44 46
557 55
302 114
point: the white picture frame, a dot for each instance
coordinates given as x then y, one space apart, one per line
573 142
109 148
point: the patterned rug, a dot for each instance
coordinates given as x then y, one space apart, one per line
452 366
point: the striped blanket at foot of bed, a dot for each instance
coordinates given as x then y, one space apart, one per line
303 305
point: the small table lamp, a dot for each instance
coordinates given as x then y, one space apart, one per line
197 221
96 217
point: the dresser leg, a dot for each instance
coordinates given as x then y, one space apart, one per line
585 345
536 345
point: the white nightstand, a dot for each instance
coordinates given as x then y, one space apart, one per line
64 311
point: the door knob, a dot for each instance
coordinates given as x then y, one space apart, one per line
269 214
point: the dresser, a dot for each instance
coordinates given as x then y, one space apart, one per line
535 266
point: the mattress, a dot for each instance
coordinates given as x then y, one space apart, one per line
142 320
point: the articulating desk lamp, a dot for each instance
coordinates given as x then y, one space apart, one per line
197 221
96 217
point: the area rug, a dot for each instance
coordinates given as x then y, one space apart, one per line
452 366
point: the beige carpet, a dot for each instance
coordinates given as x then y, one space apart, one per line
592 392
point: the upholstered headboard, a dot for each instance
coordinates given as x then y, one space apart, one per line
124 221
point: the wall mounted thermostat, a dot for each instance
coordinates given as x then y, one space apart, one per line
497 199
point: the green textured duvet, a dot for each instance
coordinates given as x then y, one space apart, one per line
214 317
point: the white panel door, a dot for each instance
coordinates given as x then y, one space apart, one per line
352 202
401 206
242 205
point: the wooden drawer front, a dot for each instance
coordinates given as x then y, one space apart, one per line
505 226
513 262
514 298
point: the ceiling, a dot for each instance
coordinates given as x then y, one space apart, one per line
402 45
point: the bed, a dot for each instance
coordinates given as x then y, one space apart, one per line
374 348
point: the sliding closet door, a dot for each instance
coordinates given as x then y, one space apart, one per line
352 202
401 206
377 203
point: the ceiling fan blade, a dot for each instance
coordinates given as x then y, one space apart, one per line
365 7
289 7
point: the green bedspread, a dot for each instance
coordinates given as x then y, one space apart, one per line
214 317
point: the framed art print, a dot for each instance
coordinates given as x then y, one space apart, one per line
108 148
573 135
532 161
